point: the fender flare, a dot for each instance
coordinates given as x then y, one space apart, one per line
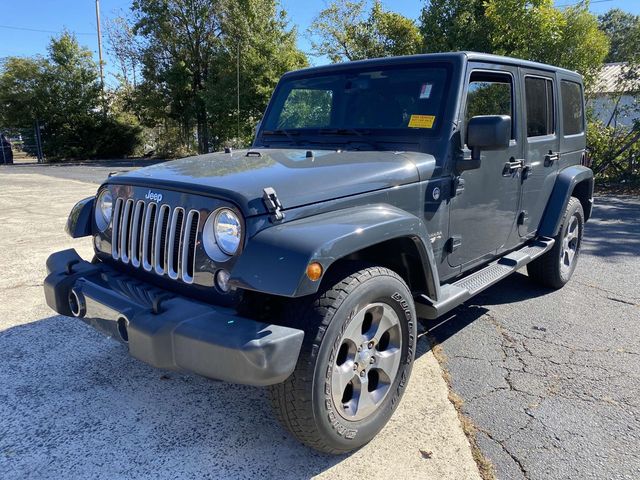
79 220
275 259
566 181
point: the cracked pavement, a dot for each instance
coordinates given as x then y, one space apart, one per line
551 379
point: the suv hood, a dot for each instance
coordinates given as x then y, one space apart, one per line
297 179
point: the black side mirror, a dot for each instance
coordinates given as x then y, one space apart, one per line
486 132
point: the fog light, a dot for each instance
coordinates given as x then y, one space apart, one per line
314 271
222 280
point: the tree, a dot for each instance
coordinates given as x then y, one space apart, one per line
452 25
189 55
343 31
256 38
181 38
528 29
62 92
623 30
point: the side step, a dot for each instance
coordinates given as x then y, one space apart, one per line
453 294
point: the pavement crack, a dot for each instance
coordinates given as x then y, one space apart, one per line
620 300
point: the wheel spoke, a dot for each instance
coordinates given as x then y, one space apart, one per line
384 319
388 361
365 403
570 254
353 331
341 377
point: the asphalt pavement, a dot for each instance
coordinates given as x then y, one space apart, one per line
551 379
75 405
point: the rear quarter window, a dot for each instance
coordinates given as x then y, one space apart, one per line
572 109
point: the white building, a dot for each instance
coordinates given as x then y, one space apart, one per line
610 87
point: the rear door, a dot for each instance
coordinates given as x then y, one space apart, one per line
541 146
573 125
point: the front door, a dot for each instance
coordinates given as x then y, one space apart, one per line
483 213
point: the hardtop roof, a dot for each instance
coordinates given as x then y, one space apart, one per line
458 57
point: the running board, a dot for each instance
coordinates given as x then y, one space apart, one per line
453 294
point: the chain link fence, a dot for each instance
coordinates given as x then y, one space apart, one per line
21 144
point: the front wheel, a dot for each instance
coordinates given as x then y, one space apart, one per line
555 268
360 339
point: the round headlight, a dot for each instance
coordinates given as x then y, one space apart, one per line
228 231
104 209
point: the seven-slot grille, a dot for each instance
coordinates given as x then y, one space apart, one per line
156 237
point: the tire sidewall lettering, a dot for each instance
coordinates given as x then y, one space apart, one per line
338 424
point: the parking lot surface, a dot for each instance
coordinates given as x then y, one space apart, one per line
73 404
551 379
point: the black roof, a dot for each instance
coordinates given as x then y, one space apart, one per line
456 57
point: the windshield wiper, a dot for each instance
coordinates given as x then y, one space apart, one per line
288 133
344 131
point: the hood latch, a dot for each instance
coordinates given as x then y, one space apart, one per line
271 201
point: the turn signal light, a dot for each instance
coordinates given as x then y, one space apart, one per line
314 271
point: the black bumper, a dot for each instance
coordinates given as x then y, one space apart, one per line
170 331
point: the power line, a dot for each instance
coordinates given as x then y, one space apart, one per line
11 27
577 3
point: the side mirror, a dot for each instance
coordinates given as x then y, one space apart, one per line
486 132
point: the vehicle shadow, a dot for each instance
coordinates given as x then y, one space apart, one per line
74 404
614 229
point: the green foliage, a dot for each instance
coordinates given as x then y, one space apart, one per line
623 30
63 93
345 32
489 98
528 29
306 108
257 38
615 152
452 25
189 54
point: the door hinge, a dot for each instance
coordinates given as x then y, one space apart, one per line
454 243
523 217
458 186
272 203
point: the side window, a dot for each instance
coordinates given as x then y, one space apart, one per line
572 112
540 108
489 94
306 108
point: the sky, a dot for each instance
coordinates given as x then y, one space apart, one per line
27 25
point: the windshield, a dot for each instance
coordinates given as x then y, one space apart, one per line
394 101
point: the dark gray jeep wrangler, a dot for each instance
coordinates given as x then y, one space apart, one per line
376 193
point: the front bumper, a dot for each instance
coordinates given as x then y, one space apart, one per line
170 331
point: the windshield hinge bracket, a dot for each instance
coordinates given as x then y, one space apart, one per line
272 203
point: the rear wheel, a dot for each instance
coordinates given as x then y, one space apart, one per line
360 337
555 268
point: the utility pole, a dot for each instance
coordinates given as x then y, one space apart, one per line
238 88
100 46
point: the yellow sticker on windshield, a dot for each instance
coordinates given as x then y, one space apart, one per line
422 121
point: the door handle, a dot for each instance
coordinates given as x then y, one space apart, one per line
512 166
551 157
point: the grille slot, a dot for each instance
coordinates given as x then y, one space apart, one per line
173 247
125 231
160 244
117 216
189 245
147 237
135 237
155 237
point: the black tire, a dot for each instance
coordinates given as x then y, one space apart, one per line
548 269
304 403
